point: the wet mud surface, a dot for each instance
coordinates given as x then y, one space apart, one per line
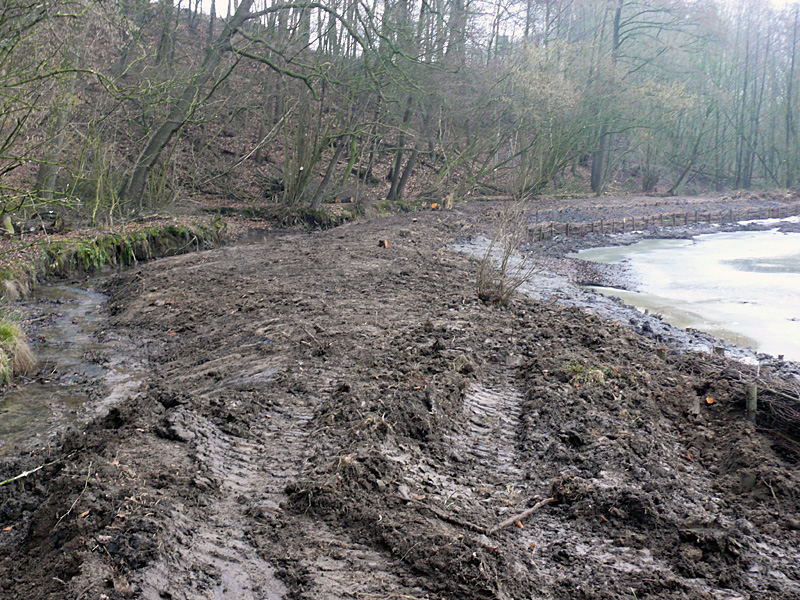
322 418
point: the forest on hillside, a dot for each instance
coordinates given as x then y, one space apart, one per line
120 107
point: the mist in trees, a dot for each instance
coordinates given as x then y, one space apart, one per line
116 108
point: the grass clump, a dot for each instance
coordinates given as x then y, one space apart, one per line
15 354
581 375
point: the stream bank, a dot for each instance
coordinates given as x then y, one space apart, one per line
43 256
81 371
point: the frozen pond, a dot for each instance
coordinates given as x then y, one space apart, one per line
742 287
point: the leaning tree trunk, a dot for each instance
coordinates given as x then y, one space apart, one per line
182 109
397 165
48 168
412 161
599 159
316 201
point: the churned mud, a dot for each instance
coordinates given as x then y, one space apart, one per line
320 417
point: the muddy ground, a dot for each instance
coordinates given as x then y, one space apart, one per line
322 418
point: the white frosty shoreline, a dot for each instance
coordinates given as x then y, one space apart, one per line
547 285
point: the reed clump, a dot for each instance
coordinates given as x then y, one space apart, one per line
16 356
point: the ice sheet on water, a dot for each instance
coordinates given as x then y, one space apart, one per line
740 286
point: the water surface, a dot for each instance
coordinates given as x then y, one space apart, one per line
743 287
65 348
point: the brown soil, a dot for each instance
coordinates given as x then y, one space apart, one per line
327 418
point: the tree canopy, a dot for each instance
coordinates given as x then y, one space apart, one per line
118 107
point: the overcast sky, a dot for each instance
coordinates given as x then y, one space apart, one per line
222 5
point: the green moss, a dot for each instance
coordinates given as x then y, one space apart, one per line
65 258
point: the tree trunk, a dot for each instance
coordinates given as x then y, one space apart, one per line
788 158
412 161
398 159
599 159
59 115
182 109
316 201
212 14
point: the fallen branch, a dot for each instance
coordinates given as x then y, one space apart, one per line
523 515
83 491
22 475
448 518
25 474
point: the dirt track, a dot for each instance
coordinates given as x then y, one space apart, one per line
324 418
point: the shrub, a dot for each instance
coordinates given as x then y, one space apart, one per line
505 266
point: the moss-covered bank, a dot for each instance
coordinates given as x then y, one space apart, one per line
81 254
89 252
69 257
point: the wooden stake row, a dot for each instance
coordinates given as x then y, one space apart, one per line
549 229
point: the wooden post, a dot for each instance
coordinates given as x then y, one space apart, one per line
752 401
552 230
602 226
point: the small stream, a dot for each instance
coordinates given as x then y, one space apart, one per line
71 361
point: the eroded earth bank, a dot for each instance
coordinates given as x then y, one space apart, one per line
325 418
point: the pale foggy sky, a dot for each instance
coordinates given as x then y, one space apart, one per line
222 5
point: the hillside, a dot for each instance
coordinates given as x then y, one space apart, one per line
119 110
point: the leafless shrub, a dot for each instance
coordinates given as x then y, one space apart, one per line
505 266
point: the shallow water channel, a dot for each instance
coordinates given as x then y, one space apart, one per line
742 287
63 339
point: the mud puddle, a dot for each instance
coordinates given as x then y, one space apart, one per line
70 358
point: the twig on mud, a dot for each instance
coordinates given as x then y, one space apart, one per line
25 474
37 319
389 597
85 485
449 518
311 335
22 475
291 339
523 515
